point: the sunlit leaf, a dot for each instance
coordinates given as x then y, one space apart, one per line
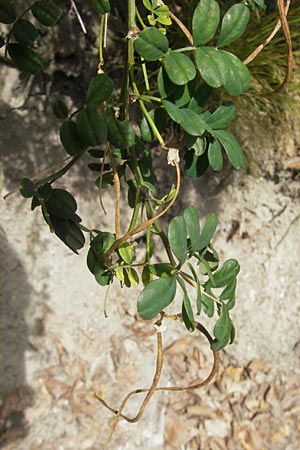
156 296
222 116
226 273
231 147
126 252
191 219
215 156
179 67
177 238
207 231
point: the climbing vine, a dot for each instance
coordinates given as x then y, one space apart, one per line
172 87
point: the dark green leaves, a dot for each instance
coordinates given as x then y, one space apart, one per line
226 273
222 116
234 24
62 204
206 19
24 32
25 59
70 138
91 127
60 109
27 188
237 76
101 6
231 147
191 122
191 219
46 12
7 12
156 296
151 44
100 89
120 133
179 68
177 238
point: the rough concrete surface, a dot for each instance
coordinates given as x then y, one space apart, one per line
58 349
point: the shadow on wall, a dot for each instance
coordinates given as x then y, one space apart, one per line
15 396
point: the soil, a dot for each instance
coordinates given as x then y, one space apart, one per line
58 349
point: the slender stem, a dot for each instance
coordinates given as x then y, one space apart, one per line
140 19
102 20
131 14
117 191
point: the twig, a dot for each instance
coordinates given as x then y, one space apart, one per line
78 16
145 224
117 190
183 28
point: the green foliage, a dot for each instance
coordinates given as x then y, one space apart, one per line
172 88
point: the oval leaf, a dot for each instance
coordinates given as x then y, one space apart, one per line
222 330
126 252
25 59
236 79
207 231
179 68
212 66
70 138
151 44
60 109
7 12
234 24
46 13
222 116
27 188
24 32
215 156
91 127
226 273
231 147
100 89
61 204
206 19
156 296
119 133
191 219
177 238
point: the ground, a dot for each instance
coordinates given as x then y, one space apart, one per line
58 349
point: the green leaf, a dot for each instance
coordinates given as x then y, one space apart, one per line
191 219
212 66
151 44
237 77
24 32
101 6
191 122
45 12
126 252
165 86
69 232
102 275
91 127
101 243
199 295
156 296
70 138
222 116
179 67
231 147
200 98
222 330
198 144
177 238
158 116
215 156
205 22
195 166
61 204
25 59
27 188
229 291
208 304
187 310
146 276
162 270
207 231
100 89
234 24
119 133
226 273
7 12
133 276
60 109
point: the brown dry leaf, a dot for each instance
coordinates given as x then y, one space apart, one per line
201 411
179 347
256 365
178 431
234 372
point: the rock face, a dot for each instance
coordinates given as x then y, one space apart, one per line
57 348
